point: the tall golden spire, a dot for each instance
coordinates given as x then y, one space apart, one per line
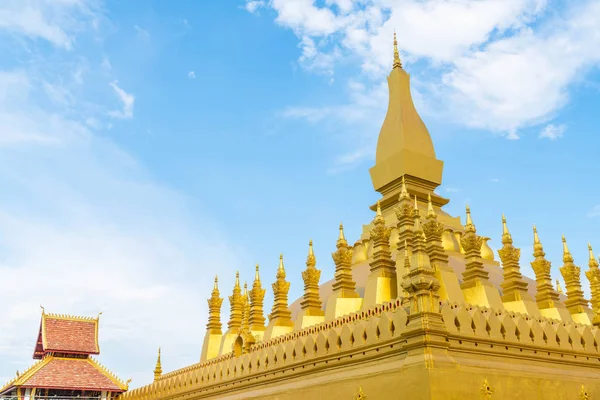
404 147
311 301
571 274
514 287
471 243
214 309
280 312
344 284
593 275
546 296
397 62
236 303
158 368
257 295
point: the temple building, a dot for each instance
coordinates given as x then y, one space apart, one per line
419 308
66 369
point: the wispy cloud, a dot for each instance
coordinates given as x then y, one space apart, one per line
127 101
495 70
253 6
553 132
191 75
141 32
594 212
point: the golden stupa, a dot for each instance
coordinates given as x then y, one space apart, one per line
419 308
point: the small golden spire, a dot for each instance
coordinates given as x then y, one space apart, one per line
281 267
567 257
403 191
310 249
558 287
469 220
341 239
256 318
311 301
378 208
416 203
216 286
536 238
430 211
158 368
237 279
592 262
506 237
397 62
245 294
256 275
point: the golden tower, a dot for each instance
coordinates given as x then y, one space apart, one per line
460 325
158 368
256 317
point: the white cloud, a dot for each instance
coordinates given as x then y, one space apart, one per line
498 65
128 101
553 132
594 212
494 180
192 75
252 6
141 32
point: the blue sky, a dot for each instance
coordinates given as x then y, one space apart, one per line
144 148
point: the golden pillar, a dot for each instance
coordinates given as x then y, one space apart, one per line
381 284
547 299
515 295
236 302
344 299
593 275
576 303
433 229
256 319
214 335
158 367
476 286
280 319
311 307
405 216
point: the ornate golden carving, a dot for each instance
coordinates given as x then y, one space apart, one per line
360 395
236 303
513 286
342 257
583 393
575 302
311 302
214 310
397 62
486 389
257 295
380 235
471 244
158 367
546 296
593 275
433 230
281 288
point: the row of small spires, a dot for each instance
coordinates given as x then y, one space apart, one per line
567 257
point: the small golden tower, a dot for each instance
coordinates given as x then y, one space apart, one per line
547 299
516 297
476 286
280 319
236 301
257 295
576 303
405 216
158 368
311 312
214 309
214 335
433 229
381 284
344 298
593 275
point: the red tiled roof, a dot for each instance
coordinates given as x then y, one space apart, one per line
66 334
69 373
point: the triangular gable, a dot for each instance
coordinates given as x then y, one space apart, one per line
67 334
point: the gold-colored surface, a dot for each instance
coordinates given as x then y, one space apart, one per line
158 367
257 294
381 284
437 338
